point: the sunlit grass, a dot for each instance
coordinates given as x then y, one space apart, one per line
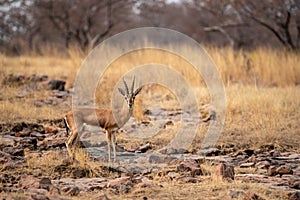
263 96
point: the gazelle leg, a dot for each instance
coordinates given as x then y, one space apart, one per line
70 143
108 139
114 146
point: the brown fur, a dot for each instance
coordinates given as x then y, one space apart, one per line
99 117
95 117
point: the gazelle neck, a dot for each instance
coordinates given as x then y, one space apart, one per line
124 115
130 111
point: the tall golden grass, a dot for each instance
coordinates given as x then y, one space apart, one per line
262 89
261 67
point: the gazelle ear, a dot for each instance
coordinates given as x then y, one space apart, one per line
138 91
121 91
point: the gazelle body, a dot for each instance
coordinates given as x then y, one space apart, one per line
99 117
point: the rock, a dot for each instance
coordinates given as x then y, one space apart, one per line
191 166
250 195
73 191
294 156
262 165
7 140
80 173
5 156
258 151
173 151
47 144
5 196
144 148
29 181
252 159
290 157
123 189
275 153
102 197
24 133
239 154
210 152
12 165
295 196
225 171
37 135
56 85
51 130
12 79
45 183
28 127
159 159
173 175
169 123
61 94
4 159
283 170
294 182
118 181
19 127
236 194
249 152
272 171
84 184
141 149
207 114
142 181
247 165
54 190
39 197
187 179
28 142
37 127
38 78
23 94
181 151
15 151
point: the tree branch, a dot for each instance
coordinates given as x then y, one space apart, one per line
285 27
221 29
266 25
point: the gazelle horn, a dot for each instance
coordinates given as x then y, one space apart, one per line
126 87
132 86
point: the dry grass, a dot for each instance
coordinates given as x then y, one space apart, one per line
261 67
215 188
262 89
261 116
55 164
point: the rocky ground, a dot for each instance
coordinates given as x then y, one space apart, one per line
34 165
34 162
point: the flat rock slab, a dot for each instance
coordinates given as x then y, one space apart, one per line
83 184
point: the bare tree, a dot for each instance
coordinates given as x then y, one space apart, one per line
280 17
223 19
63 23
85 22
14 22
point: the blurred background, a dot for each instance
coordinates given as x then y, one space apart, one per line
31 26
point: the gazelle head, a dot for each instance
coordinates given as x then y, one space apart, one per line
129 95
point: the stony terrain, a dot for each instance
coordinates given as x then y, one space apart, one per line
25 173
34 162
